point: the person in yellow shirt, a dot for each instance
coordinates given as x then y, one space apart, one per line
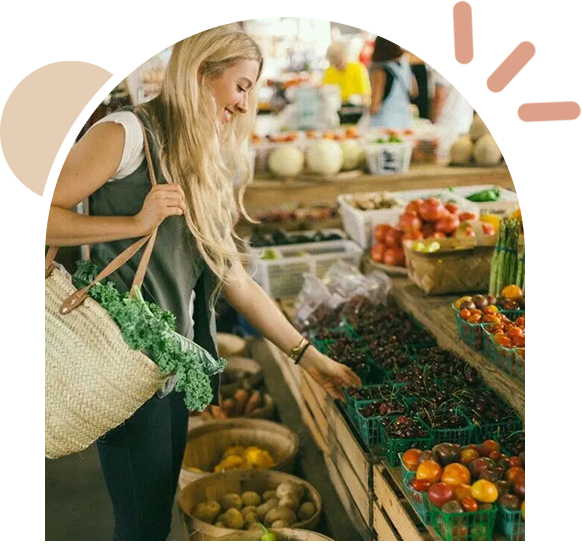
351 76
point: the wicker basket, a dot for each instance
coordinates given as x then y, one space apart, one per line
216 486
240 373
445 272
283 534
207 443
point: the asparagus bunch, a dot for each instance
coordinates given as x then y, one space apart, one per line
506 267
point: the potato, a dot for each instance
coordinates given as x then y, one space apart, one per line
269 494
251 498
231 501
280 524
250 519
248 509
291 502
233 519
263 509
255 526
279 513
206 511
307 510
290 488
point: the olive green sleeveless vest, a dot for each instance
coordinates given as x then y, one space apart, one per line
177 279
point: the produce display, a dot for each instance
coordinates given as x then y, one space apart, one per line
278 238
298 214
374 201
464 489
283 507
422 219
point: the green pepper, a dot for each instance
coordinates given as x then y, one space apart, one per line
486 196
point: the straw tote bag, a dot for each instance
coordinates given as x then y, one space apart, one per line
93 380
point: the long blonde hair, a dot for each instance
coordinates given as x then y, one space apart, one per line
196 152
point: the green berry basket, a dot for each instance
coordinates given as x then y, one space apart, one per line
496 431
352 404
519 365
502 357
370 428
511 524
418 500
392 447
475 526
471 334
512 314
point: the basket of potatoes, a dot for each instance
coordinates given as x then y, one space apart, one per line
221 504
283 534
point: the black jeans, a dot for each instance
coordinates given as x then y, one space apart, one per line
141 461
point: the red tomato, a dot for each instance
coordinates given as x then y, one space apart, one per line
380 232
429 470
412 236
468 455
393 237
475 318
495 455
409 222
490 318
413 206
491 309
440 493
502 340
438 235
378 251
488 446
465 216
432 210
453 208
394 256
469 504
421 485
428 229
448 224
519 341
514 331
488 229
520 322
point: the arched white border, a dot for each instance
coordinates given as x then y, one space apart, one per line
426 37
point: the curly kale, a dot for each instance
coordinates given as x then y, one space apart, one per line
151 330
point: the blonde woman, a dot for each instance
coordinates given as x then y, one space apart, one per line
197 129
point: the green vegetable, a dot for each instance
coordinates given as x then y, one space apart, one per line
268 535
151 330
485 196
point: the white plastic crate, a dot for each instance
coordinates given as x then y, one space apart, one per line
506 205
389 158
360 224
284 277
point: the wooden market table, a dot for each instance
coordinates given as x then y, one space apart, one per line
265 192
370 489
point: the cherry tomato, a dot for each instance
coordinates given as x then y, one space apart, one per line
484 491
502 340
465 216
475 318
413 206
409 222
380 232
411 459
520 322
495 455
469 504
488 446
461 491
421 485
393 257
518 341
429 470
468 455
465 314
393 237
515 461
453 208
491 309
513 474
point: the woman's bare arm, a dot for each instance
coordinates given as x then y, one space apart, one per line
89 165
247 297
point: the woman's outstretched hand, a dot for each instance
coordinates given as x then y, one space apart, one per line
332 376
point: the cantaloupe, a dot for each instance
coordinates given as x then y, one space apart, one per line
486 151
353 154
286 161
478 128
462 151
324 157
